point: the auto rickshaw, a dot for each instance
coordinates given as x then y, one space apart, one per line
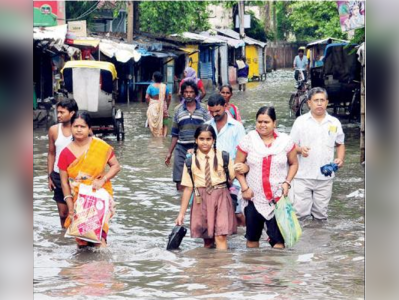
333 66
93 85
338 71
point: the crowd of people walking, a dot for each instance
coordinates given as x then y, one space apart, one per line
235 178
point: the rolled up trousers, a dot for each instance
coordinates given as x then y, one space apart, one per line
310 197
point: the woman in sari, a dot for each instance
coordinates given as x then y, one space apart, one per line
158 99
84 160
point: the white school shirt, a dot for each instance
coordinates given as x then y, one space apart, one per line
321 139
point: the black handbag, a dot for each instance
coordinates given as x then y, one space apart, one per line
175 237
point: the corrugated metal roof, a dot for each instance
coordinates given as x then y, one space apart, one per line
235 35
55 33
231 42
198 37
325 41
121 51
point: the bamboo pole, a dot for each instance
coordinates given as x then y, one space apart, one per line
362 117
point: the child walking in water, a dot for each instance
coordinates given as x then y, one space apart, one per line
212 212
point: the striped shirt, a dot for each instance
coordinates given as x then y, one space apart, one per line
185 123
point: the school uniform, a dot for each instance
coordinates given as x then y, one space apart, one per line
214 215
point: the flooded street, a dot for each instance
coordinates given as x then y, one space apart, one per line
327 263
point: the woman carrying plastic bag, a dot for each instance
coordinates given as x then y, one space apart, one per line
287 221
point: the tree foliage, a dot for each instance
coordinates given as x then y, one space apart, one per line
166 17
310 20
257 30
80 10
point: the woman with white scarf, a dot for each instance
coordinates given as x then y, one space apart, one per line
273 163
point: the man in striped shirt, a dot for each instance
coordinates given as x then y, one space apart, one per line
187 118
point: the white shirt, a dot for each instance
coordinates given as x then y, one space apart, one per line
321 139
300 64
61 142
228 138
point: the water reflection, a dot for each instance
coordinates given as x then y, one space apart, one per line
327 263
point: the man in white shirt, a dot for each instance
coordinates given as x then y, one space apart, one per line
316 134
301 63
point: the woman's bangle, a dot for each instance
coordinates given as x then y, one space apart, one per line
68 196
287 182
243 191
105 178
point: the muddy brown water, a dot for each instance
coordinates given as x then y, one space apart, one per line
327 263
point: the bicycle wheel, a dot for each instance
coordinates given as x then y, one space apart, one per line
354 107
304 108
292 104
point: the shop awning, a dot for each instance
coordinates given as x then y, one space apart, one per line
54 33
121 51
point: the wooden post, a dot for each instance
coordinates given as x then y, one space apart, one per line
130 20
362 117
241 15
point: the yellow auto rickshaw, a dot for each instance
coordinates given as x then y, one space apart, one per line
94 86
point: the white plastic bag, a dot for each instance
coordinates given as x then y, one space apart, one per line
91 210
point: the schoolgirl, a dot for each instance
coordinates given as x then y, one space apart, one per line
212 212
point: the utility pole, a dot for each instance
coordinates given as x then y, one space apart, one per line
275 21
130 21
241 17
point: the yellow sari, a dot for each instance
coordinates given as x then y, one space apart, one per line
88 167
156 111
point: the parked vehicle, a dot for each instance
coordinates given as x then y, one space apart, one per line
94 86
338 72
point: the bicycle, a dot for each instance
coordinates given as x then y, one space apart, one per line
298 100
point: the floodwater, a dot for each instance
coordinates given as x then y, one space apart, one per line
327 263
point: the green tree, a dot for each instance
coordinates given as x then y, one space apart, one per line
310 20
257 30
166 17
283 27
80 10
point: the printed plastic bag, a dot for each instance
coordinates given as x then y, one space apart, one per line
91 210
287 221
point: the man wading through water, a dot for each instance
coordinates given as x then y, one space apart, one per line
229 133
59 136
187 118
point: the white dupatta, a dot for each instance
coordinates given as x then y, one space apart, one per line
279 144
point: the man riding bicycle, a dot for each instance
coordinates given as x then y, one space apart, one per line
301 64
